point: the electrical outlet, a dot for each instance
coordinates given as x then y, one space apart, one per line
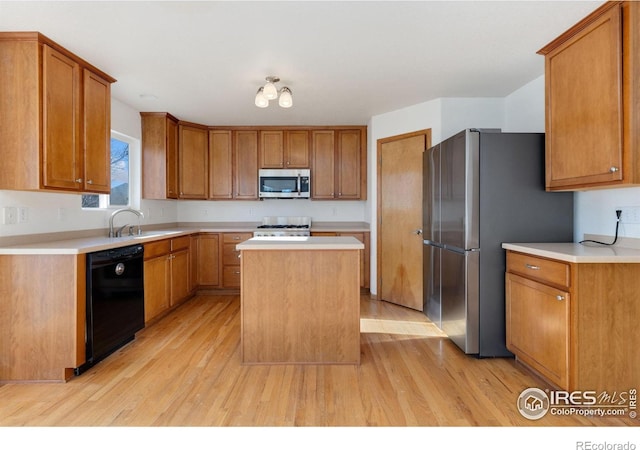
630 214
23 214
9 215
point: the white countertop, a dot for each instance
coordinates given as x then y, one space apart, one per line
578 253
301 243
89 244
97 243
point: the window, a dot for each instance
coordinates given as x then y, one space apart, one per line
120 179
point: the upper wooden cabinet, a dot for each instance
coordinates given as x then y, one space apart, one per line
245 165
159 155
222 163
339 164
284 149
193 161
56 117
593 101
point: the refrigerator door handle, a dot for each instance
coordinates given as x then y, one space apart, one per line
433 244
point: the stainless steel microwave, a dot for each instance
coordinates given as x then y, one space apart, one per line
284 183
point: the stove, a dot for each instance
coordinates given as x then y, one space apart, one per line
284 226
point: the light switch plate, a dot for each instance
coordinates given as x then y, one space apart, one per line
9 215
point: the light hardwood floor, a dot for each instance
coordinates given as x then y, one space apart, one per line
184 370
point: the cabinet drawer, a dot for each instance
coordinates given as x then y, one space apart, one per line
545 270
236 238
180 243
231 276
157 248
230 256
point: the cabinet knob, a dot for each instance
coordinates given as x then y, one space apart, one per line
532 267
559 297
79 180
614 169
90 182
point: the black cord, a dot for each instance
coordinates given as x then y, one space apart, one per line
618 214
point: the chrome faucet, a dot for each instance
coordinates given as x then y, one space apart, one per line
118 233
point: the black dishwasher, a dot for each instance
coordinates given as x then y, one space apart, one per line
115 301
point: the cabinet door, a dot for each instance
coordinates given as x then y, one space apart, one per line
538 327
585 106
159 156
157 284
246 165
62 149
323 172
172 187
194 162
297 149
180 288
220 165
97 133
208 258
272 149
349 164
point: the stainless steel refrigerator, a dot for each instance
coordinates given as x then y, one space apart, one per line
483 188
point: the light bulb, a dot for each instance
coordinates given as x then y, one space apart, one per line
286 100
269 91
261 101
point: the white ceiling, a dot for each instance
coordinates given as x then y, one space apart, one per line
344 61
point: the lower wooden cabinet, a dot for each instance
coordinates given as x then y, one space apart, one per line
574 323
167 278
208 260
42 316
538 327
231 258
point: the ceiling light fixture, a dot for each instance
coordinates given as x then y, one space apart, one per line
270 92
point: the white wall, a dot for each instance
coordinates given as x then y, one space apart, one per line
594 211
254 211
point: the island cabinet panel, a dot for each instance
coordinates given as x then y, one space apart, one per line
159 156
42 316
365 254
578 332
56 115
593 101
300 306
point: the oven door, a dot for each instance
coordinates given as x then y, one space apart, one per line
284 183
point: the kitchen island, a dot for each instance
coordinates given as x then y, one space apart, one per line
300 300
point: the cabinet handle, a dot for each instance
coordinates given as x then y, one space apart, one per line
90 182
237 273
614 169
532 267
79 180
559 297
236 238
